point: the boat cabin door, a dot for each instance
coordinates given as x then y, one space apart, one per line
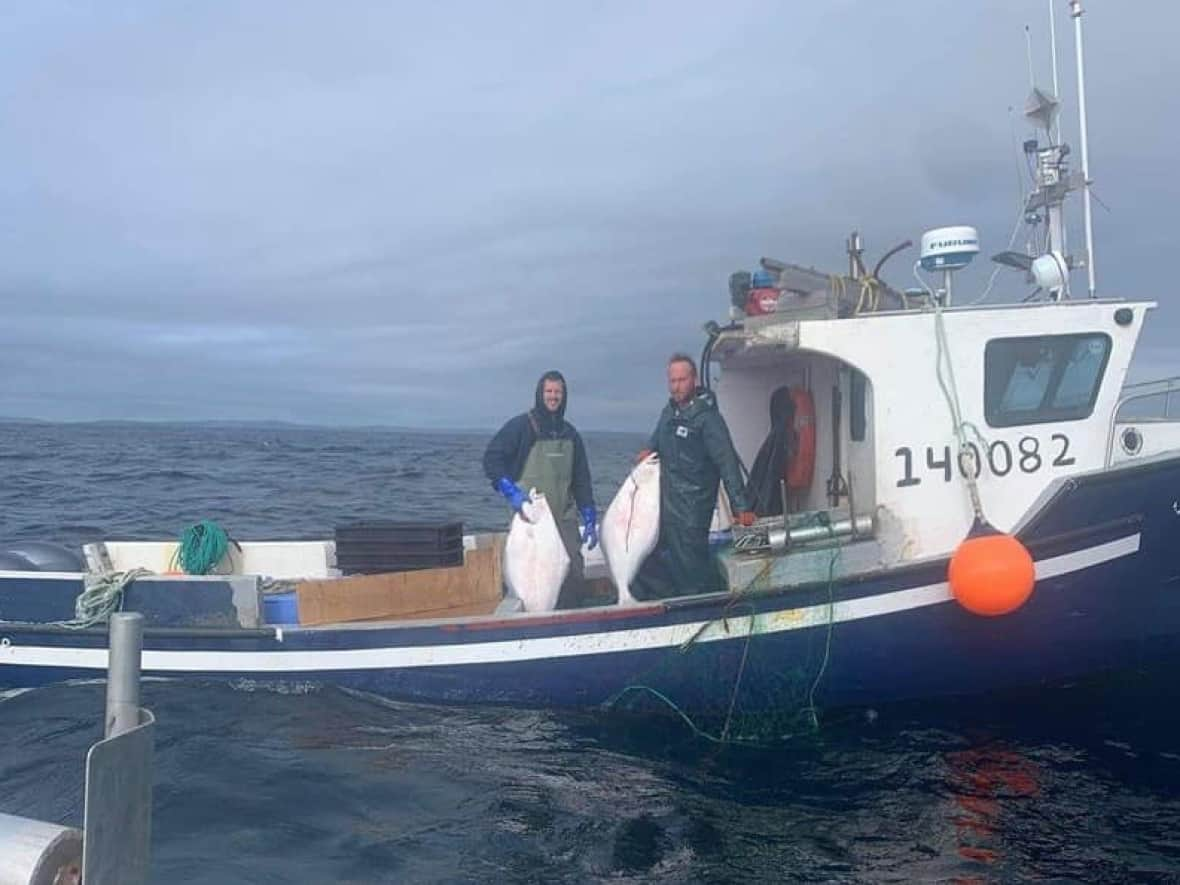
802 425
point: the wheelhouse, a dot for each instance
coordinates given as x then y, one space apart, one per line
1037 385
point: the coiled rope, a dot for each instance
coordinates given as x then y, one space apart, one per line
201 547
868 297
101 596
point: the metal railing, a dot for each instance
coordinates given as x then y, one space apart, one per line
1165 389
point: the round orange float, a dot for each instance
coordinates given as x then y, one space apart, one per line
991 574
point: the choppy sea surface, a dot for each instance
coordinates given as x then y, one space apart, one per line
315 784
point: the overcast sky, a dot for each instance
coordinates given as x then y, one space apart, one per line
396 213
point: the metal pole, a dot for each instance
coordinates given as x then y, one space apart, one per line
1032 80
126 647
854 251
1053 49
1057 138
1075 10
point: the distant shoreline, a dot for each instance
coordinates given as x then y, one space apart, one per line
229 424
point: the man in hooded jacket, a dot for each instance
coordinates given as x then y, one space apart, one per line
696 456
541 450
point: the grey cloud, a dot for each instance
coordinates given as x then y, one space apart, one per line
387 213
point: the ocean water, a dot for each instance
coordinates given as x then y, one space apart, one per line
315 784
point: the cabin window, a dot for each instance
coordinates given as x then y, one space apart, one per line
1041 379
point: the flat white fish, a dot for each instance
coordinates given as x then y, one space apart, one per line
631 526
535 558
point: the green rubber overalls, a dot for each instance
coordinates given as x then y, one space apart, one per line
549 469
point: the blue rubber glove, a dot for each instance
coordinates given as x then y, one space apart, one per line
512 492
589 527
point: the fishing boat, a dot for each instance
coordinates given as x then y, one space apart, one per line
922 421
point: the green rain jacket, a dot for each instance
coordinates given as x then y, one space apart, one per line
696 454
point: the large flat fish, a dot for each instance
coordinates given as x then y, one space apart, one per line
631 526
535 558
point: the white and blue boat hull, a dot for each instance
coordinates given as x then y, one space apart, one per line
1107 597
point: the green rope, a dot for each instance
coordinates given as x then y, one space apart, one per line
201 547
726 735
672 705
812 711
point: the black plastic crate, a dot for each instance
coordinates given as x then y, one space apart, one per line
420 535
382 546
379 563
427 556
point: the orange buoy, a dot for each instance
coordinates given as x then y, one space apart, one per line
800 467
991 574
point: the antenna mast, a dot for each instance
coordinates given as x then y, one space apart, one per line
1053 50
1056 136
1075 11
1032 80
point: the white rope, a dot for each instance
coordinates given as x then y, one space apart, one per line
966 457
101 596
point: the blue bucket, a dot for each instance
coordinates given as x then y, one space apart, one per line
281 608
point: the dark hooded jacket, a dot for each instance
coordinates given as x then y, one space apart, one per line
696 454
765 491
509 449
